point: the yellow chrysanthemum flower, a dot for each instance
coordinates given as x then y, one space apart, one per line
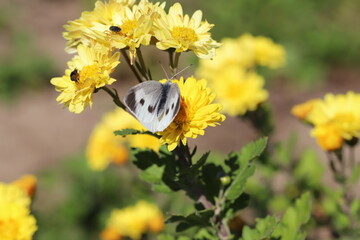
14 194
16 223
196 113
79 30
335 119
238 90
267 53
303 110
27 183
134 221
88 71
250 51
184 33
104 147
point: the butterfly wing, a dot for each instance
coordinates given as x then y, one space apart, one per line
171 107
142 100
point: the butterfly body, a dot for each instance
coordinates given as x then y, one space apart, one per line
154 104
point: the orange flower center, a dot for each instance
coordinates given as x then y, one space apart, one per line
183 115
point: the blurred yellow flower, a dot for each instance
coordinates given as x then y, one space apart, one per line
104 147
27 183
245 51
79 31
185 33
267 53
16 223
196 113
335 118
238 90
303 110
133 221
87 72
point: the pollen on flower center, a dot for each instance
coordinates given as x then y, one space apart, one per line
86 75
184 35
127 28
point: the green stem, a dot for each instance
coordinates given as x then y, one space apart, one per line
115 97
171 59
176 61
194 189
351 158
133 69
143 69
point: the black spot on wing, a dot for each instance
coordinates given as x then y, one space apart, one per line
130 100
142 101
167 111
172 106
150 109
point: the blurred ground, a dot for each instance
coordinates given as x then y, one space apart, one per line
36 132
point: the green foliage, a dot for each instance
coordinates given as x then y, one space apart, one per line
290 227
201 181
246 169
263 229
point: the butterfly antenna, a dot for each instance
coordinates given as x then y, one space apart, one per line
182 70
167 76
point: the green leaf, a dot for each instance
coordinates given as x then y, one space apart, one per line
310 169
263 229
154 175
294 218
237 186
248 153
200 162
195 219
231 207
129 131
205 234
252 150
210 178
143 159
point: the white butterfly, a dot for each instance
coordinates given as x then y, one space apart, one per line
154 104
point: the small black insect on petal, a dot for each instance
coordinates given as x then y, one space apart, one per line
115 29
142 101
150 109
74 75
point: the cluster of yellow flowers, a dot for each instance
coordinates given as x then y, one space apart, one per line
232 74
124 25
104 147
335 119
133 222
16 221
